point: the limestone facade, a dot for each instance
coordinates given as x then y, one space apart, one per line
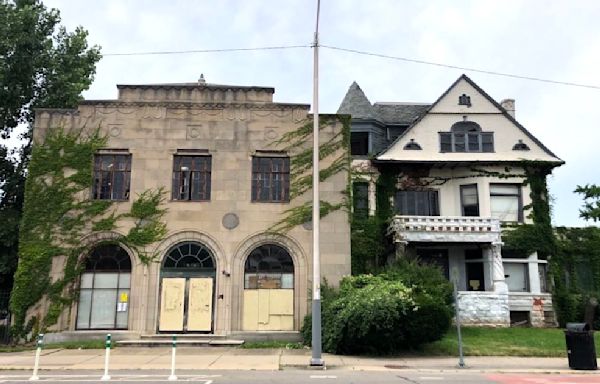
231 124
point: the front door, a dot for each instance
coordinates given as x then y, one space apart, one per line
186 305
200 304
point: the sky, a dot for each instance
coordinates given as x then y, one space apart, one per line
556 40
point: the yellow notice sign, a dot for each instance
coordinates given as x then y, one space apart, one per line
124 297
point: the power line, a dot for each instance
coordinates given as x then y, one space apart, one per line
365 53
205 51
354 51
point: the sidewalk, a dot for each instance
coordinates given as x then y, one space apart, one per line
223 358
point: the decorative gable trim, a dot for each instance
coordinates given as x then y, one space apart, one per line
491 100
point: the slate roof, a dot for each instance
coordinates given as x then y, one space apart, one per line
400 113
357 104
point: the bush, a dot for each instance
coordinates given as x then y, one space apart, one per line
570 307
400 309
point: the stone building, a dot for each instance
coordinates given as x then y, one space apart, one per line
220 270
459 186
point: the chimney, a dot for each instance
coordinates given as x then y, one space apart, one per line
509 105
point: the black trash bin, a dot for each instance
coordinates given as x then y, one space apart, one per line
580 346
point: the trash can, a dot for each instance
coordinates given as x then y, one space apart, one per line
581 350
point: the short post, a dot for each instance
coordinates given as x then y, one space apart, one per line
106 376
173 377
38 352
461 359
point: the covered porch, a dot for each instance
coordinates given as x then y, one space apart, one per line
493 290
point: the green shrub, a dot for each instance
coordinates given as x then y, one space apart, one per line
400 309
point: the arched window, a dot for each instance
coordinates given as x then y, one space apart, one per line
104 289
269 267
189 257
466 136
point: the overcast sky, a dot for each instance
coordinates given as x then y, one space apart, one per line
558 40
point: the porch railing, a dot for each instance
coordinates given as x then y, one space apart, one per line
444 228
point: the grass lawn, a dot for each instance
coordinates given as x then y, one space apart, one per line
83 344
538 342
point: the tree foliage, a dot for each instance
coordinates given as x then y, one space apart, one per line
591 204
42 65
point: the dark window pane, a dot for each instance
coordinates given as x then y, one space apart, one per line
475 277
359 143
487 142
191 178
473 140
459 142
361 198
470 200
270 179
445 142
420 203
189 256
111 177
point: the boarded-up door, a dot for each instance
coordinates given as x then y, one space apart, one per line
171 307
268 310
200 304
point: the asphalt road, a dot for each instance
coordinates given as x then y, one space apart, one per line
302 377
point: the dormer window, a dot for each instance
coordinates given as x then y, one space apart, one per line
464 100
520 146
413 146
466 136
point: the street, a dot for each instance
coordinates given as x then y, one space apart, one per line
303 376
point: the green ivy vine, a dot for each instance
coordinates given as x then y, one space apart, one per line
59 213
336 150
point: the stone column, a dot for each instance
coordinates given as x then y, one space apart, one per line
401 249
499 283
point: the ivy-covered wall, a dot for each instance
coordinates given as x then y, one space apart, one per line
58 214
334 158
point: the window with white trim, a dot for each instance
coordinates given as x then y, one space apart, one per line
466 136
506 202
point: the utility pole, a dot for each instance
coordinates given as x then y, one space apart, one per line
316 359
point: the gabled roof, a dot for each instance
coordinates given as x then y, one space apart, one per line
355 103
486 96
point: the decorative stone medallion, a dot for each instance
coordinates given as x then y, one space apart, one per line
230 220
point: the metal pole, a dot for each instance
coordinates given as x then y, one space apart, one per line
461 359
173 377
40 345
316 359
106 376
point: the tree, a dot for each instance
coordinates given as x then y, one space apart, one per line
41 66
591 201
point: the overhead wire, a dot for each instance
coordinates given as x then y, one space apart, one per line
205 50
365 53
357 52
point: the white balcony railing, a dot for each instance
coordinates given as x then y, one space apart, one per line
445 229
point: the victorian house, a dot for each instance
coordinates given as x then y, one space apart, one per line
459 185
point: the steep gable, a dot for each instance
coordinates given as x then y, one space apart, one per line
467 104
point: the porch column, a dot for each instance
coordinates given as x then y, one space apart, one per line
401 249
499 283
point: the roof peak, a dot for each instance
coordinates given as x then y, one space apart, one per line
357 104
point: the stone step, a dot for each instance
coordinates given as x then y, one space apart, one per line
186 342
182 336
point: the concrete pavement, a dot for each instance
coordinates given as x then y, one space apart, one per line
229 358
